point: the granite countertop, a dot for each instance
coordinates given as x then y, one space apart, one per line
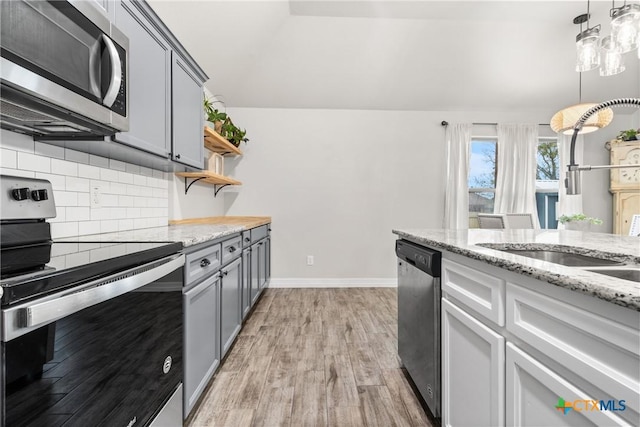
470 243
189 232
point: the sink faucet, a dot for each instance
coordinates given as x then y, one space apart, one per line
572 181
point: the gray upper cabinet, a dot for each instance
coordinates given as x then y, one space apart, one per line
188 120
149 82
105 7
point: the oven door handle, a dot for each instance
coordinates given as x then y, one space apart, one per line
116 73
96 292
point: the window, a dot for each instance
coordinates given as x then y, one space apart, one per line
547 179
482 175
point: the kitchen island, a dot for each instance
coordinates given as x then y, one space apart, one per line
531 342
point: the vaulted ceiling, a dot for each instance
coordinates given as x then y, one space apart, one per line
396 55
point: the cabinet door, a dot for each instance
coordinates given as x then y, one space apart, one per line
188 119
262 263
534 393
472 371
246 282
149 82
230 316
268 252
625 205
201 343
255 280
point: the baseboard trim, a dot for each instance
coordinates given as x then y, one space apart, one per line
332 283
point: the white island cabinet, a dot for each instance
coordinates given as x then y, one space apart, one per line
518 351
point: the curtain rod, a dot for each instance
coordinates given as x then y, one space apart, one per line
446 123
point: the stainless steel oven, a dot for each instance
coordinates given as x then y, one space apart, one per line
63 70
91 333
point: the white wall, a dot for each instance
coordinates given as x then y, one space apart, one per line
132 196
336 182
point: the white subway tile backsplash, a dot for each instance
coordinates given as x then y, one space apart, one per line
108 175
17 172
78 213
88 171
84 199
130 196
64 167
125 177
76 156
117 165
78 184
65 198
9 159
32 162
109 226
88 227
15 141
58 182
101 162
49 150
125 224
64 229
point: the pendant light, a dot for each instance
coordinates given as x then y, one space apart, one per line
564 120
612 60
587 49
625 26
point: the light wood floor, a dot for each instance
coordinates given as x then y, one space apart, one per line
314 357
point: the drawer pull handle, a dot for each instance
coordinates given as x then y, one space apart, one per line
205 262
224 273
247 239
232 249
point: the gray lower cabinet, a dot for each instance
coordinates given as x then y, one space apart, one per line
188 120
268 251
201 338
262 263
230 296
149 82
255 279
246 282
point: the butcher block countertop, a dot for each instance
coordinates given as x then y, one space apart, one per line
190 232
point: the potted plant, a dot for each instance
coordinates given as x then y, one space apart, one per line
232 133
214 116
628 135
579 222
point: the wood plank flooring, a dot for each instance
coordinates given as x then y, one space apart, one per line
314 357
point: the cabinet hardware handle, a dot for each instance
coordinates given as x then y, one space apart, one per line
224 273
232 248
177 156
247 239
205 262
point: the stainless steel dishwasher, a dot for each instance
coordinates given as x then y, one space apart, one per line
419 318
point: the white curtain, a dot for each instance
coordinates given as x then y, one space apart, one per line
456 200
568 204
516 164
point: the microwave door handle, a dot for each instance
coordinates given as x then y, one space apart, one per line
116 73
54 309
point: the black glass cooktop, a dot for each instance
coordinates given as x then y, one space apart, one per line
68 264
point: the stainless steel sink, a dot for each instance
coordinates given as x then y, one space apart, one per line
632 274
562 258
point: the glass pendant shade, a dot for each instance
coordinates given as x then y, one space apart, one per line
564 120
625 27
587 49
612 60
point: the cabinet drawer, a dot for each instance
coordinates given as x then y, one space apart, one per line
479 291
259 233
598 350
231 249
202 263
246 238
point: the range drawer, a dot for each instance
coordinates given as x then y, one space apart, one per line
202 263
259 233
231 249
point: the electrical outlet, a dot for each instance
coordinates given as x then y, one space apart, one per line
309 259
96 196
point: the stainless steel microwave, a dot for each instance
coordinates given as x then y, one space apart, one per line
64 70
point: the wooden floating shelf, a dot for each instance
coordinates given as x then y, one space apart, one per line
210 178
215 142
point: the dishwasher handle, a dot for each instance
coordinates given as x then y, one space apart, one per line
422 258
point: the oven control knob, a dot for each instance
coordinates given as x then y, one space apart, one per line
20 193
38 195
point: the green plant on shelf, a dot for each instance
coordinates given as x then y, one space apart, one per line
223 124
578 218
628 135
